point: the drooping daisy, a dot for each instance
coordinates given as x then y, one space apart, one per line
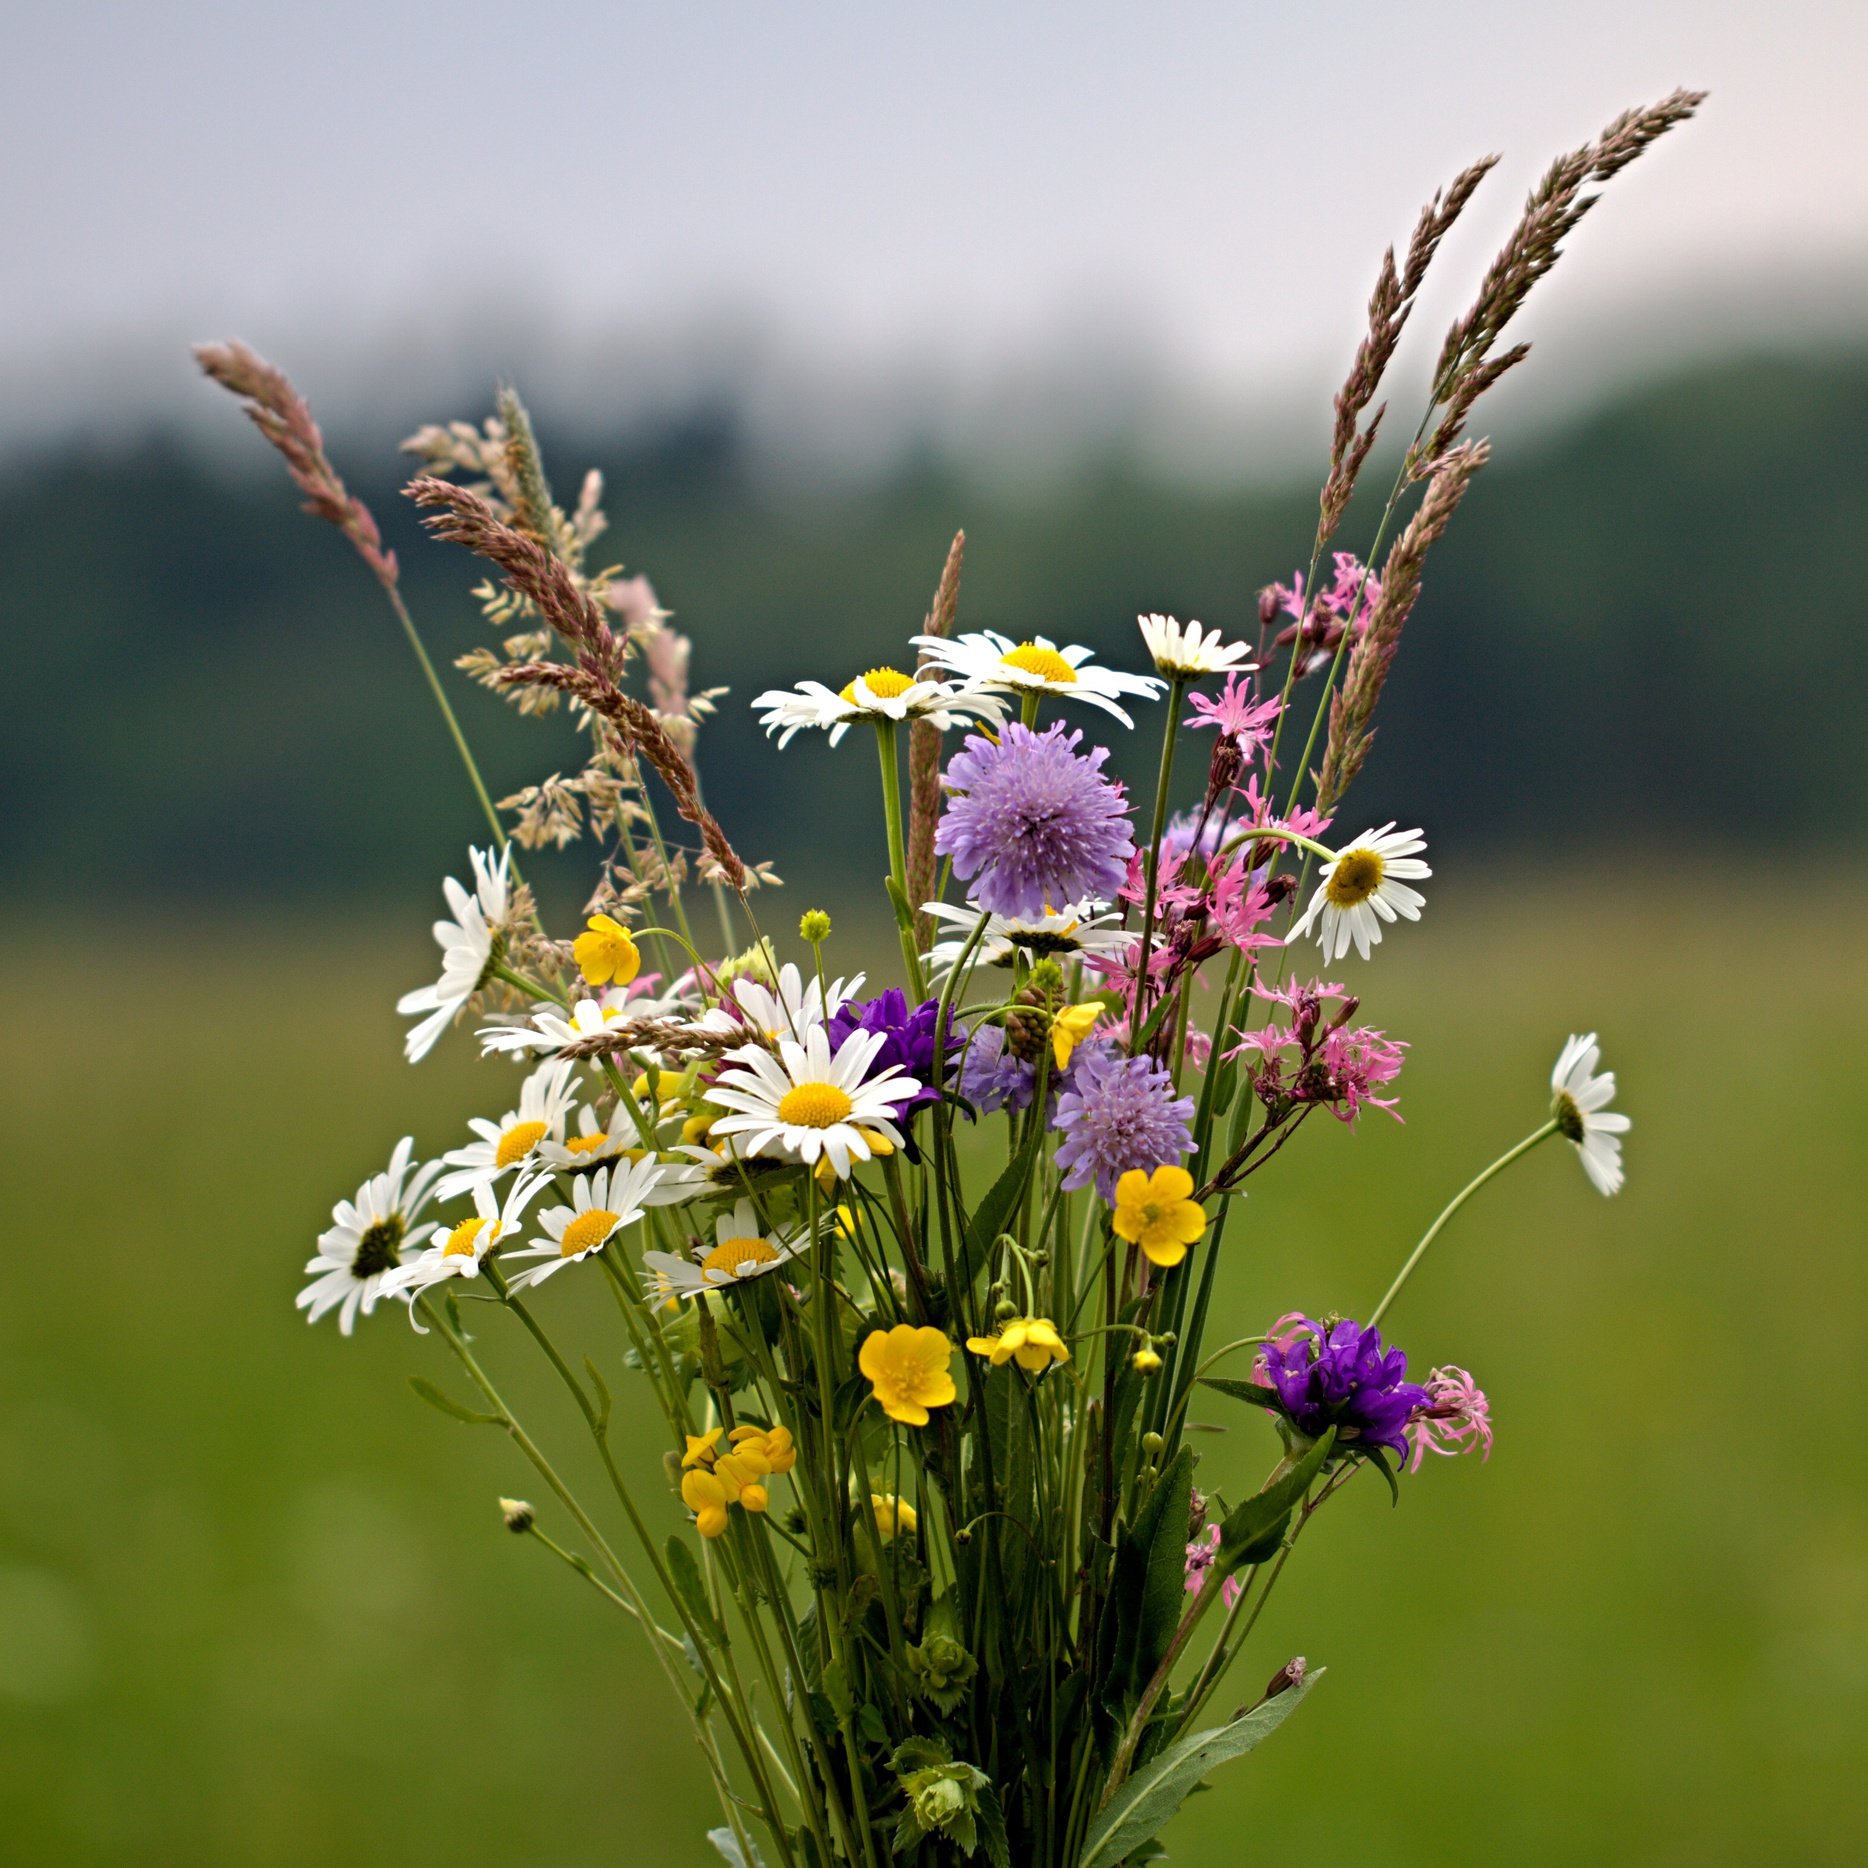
460 1251
792 1004
877 694
1579 1099
693 1172
595 1143
550 1028
1365 885
544 1103
1187 651
808 1104
1086 928
602 1204
742 1249
988 659
367 1240
467 951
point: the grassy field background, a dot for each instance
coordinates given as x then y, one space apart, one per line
256 1605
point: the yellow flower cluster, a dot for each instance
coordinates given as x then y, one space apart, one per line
1032 1342
712 1480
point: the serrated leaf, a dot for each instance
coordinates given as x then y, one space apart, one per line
992 1829
1144 1805
448 1405
685 1574
1252 1532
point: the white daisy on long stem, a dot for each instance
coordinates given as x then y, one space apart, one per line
742 1249
367 1239
463 1249
602 1204
807 1104
1185 651
1037 666
468 951
792 1004
1083 929
876 694
1579 1107
1364 884
544 1104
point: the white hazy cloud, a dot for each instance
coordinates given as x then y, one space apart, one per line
973 219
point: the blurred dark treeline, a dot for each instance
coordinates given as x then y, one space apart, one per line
1621 641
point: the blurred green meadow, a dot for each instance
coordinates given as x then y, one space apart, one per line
256 1605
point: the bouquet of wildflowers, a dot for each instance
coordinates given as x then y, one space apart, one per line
921 1274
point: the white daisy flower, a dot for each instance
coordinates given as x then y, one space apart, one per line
602 1204
595 1142
792 1004
467 951
551 1028
1184 649
368 1239
460 1251
805 1103
741 1250
1364 884
878 694
990 660
1578 1105
692 1171
1084 928
544 1104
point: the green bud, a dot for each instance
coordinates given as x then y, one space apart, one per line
814 926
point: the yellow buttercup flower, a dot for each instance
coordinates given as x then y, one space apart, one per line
1146 1360
1069 1027
1032 1342
606 953
908 1371
893 1515
1156 1212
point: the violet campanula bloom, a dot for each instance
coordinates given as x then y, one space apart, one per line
1034 821
1119 1113
1338 1375
908 1038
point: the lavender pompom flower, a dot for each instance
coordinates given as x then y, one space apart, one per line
1119 1113
1338 1375
908 1039
993 1077
1034 820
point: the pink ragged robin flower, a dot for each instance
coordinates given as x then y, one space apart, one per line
1456 1419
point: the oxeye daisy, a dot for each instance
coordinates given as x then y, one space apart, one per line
791 1005
367 1239
1089 929
469 947
596 1142
1362 886
602 1204
808 1103
1579 1099
876 694
1186 651
742 1249
1037 666
544 1103
460 1251
551 1028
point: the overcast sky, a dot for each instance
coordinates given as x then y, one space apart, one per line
1015 207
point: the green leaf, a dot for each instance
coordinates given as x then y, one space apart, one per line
992 1829
1146 1803
1256 1529
1252 1392
685 1574
1147 1586
836 1688
436 1399
990 1215
727 1846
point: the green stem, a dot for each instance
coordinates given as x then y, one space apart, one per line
898 854
1176 686
1459 1199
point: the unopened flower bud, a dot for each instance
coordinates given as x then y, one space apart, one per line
517 1513
1196 1513
1152 1443
1289 1675
814 926
1281 886
1268 606
1145 1361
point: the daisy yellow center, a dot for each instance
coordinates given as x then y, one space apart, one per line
585 1144
883 683
814 1106
729 1257
461 1240
586 1230
1568 1113
1046 664
1356 876
518 1142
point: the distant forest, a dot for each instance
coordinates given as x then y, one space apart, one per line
1623 643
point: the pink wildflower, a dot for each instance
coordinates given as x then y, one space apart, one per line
1200 1555
1245 722
1241 907
1356 1060
1456 1419
1322 621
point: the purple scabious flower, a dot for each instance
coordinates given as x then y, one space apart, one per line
908 1039
1119 1113
1340 1376
1034 820
993 1078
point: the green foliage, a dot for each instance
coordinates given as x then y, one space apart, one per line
1256 1528
949 1799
